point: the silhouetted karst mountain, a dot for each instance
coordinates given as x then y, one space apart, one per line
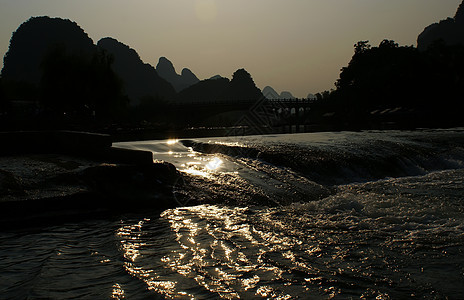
205 90
241 87
270 93
286 95
451 31
166 70
64 79
140 79
459 17
216 77
188 77
311 96
37 36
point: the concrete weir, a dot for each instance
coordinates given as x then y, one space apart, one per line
54 175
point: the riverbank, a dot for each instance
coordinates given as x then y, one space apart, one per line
46 176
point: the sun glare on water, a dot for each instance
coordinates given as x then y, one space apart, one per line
214 164
172 141
203 169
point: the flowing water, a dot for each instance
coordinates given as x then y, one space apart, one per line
376 214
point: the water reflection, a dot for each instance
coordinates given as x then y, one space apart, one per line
184 158
136 249
118 292
201 164
213 250
353 243
214 164
172 141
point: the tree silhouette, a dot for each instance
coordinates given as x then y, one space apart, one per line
361 47
242 87
427 87
80 86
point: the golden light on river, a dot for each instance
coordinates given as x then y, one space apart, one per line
214 164
172 141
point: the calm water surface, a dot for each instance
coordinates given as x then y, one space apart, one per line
319 216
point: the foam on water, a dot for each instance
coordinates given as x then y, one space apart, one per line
333 215
339 158
363 241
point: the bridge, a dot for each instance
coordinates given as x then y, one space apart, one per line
259 113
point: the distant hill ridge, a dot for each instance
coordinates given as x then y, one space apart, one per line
272 94
450 31
140 79
241 87
166 70
37 36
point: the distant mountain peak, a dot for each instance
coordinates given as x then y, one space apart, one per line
216 77
459 17
166 70
140 79
186 72
34 38
286 95
271 94
189 77
241 75
217 88
311 96
451 31
165 66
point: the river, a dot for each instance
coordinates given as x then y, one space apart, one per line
372 214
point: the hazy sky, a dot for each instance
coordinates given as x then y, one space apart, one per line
293 45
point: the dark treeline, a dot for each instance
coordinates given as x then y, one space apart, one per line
55 77
81 87
392 86
400 85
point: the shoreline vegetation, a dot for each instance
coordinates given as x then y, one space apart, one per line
55 77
